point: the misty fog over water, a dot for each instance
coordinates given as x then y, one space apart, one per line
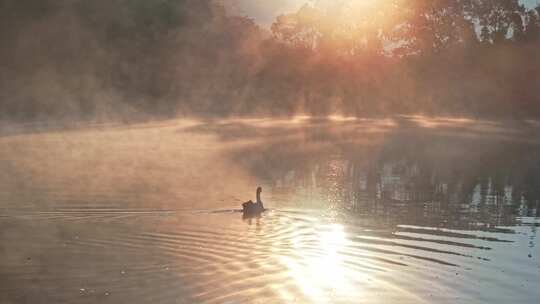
396 143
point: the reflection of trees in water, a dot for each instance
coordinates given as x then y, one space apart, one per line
413 178
453 176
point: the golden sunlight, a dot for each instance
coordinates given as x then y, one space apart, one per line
322 275
269 151
342 25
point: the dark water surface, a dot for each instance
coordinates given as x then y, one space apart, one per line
404 210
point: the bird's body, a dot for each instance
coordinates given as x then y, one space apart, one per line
250 208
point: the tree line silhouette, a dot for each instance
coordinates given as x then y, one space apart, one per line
106 59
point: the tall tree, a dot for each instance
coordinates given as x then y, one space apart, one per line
431 26
501 18
532 28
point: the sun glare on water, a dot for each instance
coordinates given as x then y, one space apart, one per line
323 273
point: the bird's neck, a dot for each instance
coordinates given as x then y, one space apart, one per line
258 197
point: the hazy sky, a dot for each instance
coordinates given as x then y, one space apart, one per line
530 3
265 11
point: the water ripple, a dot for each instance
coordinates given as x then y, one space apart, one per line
165 256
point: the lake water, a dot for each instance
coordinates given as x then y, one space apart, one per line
403 210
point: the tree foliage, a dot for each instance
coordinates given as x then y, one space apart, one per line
65 59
